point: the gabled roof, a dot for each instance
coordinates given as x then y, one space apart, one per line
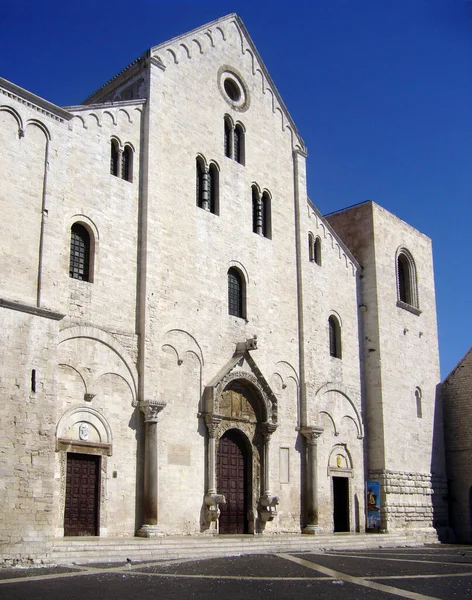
209 30
459 365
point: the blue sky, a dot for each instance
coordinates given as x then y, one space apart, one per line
380 91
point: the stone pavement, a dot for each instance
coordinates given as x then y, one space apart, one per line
433 572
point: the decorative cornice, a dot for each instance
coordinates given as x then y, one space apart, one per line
31 310
15 92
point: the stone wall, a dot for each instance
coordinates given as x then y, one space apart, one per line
456 395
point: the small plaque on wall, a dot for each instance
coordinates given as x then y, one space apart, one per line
179 454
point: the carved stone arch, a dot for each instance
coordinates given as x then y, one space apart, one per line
237 265
265 409
182 342
187 50
220 29
126 113
198 45
203 161
331 420
16 115
95 116
173 54
347 464
68 433
101 336
210 37
340 389
41 126
248 429
115 138
77 119
111 115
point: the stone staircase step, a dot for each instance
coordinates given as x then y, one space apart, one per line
96 550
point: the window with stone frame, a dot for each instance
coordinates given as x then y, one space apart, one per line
407 286
334 337
80 245
236 293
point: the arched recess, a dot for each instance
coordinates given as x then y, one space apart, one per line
340 460
347 407
109 341
72 436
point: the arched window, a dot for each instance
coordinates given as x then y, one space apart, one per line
213 189
114 158
79 263
334 337
200 171
261 220
228 137
238 136
311 247
235 293
255 209
419 407
317 251
406 278
266 220
127 164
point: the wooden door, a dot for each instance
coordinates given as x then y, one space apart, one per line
81 508
232 477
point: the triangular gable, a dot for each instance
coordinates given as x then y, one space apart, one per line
241 366
209 36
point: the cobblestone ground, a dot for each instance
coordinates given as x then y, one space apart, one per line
436 572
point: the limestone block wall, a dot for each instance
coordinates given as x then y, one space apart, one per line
456 395
401 360
28 413
192 249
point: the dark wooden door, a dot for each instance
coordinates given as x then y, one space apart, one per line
232 477
341 503
81 509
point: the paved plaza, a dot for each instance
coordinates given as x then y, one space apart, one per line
439 572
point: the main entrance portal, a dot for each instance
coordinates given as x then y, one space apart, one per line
232 483
81 506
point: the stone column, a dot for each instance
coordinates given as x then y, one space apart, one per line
267 502
311 435
151 410
212 499
206 191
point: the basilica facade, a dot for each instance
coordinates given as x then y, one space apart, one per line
189 346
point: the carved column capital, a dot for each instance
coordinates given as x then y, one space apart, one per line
311 434
212 422
151 410
267 429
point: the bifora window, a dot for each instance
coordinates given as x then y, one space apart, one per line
79 264
235 293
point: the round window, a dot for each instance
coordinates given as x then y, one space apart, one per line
232 89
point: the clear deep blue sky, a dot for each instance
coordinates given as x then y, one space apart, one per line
380 91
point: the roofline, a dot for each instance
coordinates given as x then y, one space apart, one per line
458 365
136 63
338 239
245 32
100 105
37 101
